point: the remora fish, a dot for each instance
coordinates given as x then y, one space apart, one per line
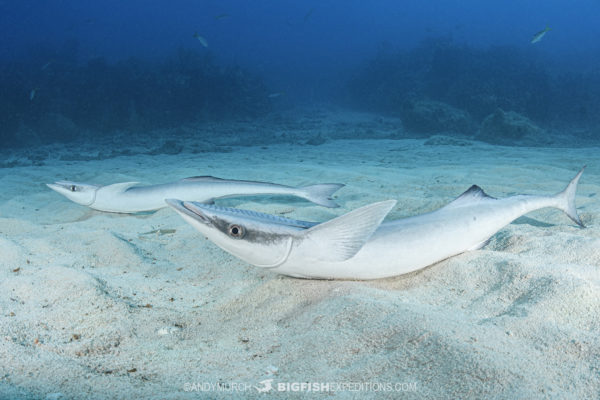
538 36
126 197
357 245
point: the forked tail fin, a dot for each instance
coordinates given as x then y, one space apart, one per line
566 199
320 194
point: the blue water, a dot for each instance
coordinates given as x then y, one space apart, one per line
135 65
99 304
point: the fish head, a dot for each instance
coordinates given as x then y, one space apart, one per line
80 193
259 239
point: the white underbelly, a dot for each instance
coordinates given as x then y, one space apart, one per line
405 246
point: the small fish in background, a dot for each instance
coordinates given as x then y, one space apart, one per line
32 94
538 36
308 14
201 39
275 95
47 65
222 16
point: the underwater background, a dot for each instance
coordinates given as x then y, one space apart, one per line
412 101
73 70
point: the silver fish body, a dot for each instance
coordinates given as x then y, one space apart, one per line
128 197
357 245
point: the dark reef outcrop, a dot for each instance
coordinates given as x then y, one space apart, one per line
431 117
63 100
508 128
477 81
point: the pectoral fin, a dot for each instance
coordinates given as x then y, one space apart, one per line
341 238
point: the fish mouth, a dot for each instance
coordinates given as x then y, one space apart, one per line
60 185
55 186
82 194
64 189
189 209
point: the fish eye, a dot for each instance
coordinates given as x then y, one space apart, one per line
236 231
73 188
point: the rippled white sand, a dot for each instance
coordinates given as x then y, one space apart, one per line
91 305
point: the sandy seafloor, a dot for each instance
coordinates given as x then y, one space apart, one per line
94 306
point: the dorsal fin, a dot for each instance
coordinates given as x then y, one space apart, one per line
118 187
474 194
203 178
475 191
208 178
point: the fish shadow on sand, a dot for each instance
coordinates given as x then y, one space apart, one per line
532 222
93 213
